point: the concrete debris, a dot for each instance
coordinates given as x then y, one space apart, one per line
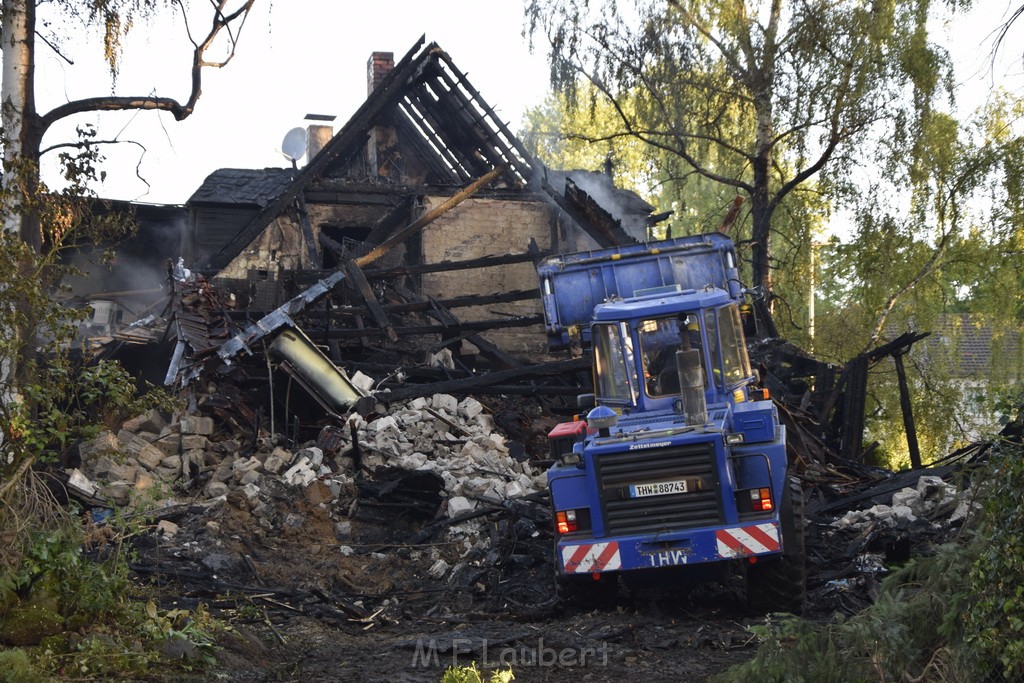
150 421
362 382
167 528
439 569
195 424
459 505
81 482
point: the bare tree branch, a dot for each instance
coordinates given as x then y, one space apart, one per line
180 111
55 49
89 143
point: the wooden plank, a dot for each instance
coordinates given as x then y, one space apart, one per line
476 325
360 285
464 301
457 302
307 234
468 264
484 380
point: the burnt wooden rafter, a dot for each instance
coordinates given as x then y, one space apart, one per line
419 115
474 325
481 121
516 154
410 133
423 107
468 264
560 367
358 283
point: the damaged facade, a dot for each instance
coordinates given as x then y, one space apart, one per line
423 134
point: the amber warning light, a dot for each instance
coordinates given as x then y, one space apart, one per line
566 521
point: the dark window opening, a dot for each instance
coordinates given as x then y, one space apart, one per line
348 239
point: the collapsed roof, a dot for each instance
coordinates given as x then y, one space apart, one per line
456 135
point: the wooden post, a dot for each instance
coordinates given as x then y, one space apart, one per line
908 415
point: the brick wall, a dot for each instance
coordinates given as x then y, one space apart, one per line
489 227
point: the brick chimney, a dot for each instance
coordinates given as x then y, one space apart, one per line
378 67
383 142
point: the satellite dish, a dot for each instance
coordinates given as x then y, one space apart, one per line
294 144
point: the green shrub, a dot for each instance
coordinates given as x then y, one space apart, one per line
994 624
470 674
957 614
16 667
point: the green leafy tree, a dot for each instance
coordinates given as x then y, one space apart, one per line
935 247
589 136
757 96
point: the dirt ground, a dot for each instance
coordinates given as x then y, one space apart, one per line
655 636
306 607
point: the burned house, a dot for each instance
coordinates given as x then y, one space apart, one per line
423 142
121 278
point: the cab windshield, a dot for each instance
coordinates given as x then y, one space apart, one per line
614 371
660 339
725 323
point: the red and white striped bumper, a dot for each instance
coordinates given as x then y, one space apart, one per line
587 558
745 541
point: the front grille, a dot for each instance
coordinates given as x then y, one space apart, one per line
622 514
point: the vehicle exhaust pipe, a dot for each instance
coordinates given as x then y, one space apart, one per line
691 387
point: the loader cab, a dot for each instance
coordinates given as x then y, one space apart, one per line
637 344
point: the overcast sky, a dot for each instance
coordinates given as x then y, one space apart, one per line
295 58
309 56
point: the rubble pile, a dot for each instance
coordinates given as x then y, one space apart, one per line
428 493
456 440
854 539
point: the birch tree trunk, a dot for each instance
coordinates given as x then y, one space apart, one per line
17 101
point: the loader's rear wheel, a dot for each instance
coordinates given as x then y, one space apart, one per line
779 584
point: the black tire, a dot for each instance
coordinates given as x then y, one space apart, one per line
779 584
585 591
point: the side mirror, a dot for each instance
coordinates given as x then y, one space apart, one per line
586 401
749 321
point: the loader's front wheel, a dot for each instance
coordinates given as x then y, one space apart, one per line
779 584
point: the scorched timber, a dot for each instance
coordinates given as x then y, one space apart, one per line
457 302
476 326
491 378
482 262
362 287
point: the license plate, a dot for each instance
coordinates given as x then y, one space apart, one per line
661 488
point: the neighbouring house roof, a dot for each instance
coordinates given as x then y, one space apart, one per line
977 343
246 186
432 103
973 346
